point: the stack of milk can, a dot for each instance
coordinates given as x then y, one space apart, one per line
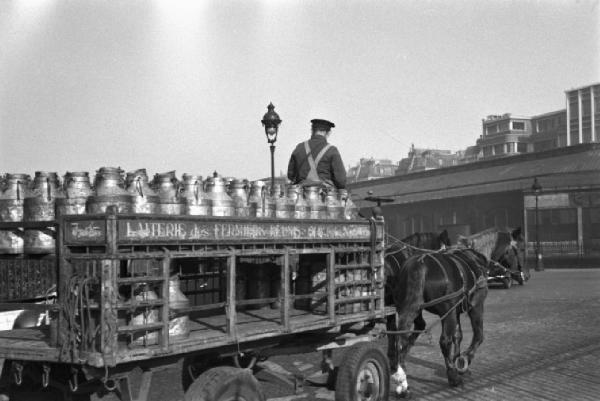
41 198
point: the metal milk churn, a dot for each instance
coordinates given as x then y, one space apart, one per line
77 190
40 205
143 198
256 197
222 204
284 208
169 192
350 208
109 191
335 210
271 195
144 317
317 208
179 323
237 192
301 207
12 199
195 199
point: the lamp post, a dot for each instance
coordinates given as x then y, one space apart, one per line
271 123
539 263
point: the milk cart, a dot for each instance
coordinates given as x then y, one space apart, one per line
211 295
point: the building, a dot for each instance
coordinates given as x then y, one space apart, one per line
426 159
469 198
583 114
370 169
506 135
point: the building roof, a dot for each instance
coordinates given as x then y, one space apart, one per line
563 168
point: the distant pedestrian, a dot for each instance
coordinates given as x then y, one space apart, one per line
316 162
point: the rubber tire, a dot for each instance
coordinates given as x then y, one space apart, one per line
507 282
224 382
353 359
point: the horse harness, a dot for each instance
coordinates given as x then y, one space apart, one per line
464 293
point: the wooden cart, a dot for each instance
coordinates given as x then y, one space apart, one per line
210 294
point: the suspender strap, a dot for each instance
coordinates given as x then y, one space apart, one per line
315 162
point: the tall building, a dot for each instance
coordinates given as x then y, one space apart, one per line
504 135
583 114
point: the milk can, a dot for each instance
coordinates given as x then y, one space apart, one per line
179 323
270 201
237 192
40 205
317 208
145 316
350 208
222 204
196 201
256 197
77 190
284 207
335 210
143 198
169 192
301 206
12 199
109 191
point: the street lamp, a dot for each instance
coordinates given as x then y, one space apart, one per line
539 263
271 123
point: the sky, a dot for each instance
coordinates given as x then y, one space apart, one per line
183 84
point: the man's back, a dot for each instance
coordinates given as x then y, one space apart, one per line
330 167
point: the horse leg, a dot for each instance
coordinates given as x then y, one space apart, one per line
403 345
447 339
419 326
476 317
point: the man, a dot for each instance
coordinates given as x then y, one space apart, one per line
315 161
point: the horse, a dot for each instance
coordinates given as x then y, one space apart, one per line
445 283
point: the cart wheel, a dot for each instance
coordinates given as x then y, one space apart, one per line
507 282
363 375
225 383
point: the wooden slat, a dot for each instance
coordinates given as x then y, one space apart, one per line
164 338
231 311
285 291
331 285
140 327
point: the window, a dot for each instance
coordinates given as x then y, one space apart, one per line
564 216
487 151
521 147
595 215
511 147
518 126
499 149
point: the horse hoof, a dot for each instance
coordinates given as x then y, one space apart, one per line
454 379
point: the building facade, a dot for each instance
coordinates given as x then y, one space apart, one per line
470 198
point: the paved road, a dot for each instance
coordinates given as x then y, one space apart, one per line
542 343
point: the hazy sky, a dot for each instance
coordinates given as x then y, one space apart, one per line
183 85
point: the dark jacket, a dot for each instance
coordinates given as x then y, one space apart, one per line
330 168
